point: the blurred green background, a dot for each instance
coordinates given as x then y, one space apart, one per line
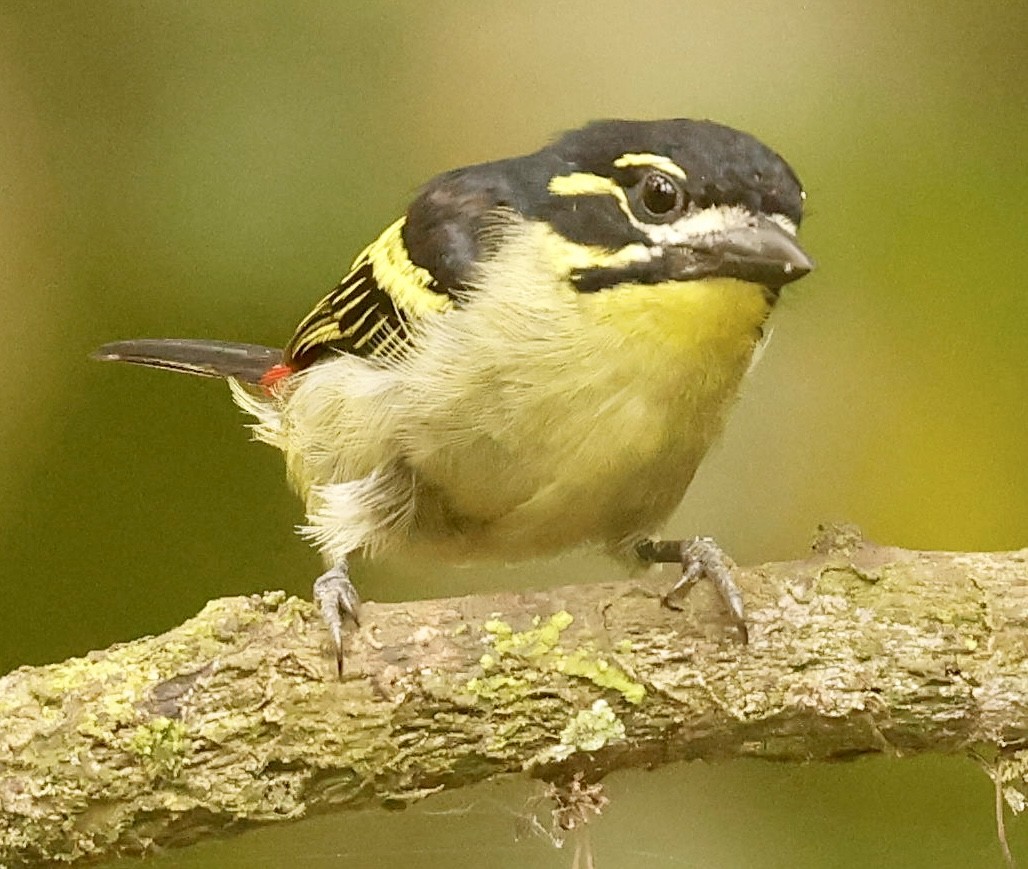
210 168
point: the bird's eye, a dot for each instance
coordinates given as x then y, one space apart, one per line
660 194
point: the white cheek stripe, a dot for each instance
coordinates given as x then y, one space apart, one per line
787 223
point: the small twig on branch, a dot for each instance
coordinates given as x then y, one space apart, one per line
236 718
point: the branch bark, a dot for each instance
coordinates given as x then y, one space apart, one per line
235 718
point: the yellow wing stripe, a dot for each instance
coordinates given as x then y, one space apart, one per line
368 335
368 312
353 303
356 327
408 284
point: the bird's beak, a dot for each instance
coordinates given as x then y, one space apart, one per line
759 251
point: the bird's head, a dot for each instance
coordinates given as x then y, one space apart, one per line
609 216
628 203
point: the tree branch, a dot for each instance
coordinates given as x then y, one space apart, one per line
235 718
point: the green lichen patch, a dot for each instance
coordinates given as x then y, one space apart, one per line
518 659
162 744
499 686
590 730
586 664
537 641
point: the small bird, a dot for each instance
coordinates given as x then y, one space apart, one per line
535 357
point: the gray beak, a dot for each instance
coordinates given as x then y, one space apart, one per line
761 252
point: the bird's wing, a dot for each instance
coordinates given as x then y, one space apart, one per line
370 311
421 266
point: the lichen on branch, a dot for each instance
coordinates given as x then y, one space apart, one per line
236 717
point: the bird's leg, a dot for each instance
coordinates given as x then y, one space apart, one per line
337 598
699 557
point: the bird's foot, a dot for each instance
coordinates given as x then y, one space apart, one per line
337 599
700 557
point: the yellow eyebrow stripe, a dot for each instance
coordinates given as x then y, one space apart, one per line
587 184
654 161
582 184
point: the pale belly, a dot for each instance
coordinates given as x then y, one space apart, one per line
592 440
512 434
517 503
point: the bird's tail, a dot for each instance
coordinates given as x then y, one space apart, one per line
247 362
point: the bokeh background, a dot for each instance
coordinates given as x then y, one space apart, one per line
209 169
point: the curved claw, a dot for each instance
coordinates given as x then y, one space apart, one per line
702 557
337 599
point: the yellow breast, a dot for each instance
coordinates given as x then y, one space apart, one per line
529 419
550 419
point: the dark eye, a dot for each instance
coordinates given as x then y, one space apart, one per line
660 194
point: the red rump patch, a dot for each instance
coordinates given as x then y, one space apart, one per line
273 375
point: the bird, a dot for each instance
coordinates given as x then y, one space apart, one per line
534 358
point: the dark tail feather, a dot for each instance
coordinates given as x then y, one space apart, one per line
247 362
